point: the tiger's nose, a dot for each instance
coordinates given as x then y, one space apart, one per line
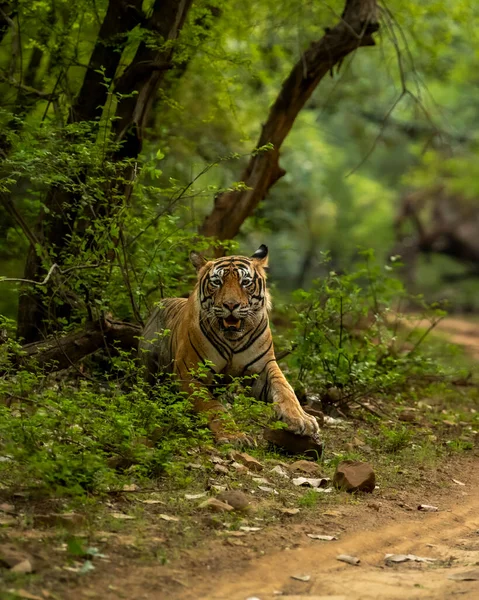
231 305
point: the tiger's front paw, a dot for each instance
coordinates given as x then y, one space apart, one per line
300 422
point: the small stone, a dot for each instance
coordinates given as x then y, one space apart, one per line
215 505
400 558
289 511
311 482
248 461
301 577
291 443
23 567
375 505
249 529
467 576
221 469
131 487
217 460
10 556
195 496
428 508
407 416
168 517
306 466
353 476
280 471
239 467
265 488
261 480
122 517
238 500
218 488
351 560
7 508
323 538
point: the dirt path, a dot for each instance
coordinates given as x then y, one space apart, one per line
458 331
451 536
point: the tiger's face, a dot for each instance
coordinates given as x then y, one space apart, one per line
232 291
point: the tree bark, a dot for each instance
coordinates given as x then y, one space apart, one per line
355 29
139 84
61 352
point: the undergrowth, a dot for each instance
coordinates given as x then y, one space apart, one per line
91 430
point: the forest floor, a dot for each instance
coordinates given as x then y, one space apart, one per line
158 544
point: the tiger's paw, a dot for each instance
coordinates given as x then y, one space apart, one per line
299 422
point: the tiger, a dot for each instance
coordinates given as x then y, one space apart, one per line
223 325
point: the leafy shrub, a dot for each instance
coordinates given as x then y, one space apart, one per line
351 339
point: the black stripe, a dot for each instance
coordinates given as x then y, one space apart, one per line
257 358
194 348
252 339
215 343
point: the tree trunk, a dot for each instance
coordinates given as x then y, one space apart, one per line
139 83
355 29
60 352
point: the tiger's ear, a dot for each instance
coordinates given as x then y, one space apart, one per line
261 256
197 260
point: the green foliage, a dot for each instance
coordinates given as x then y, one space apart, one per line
80 436
349 337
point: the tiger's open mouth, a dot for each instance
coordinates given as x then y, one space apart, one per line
231 323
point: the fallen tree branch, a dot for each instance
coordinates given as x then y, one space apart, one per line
60 352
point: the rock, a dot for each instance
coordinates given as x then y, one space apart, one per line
351 560
11 556
301 577
218 488
216 505
121 516
130 487
261 480
323 538
195 496
280 471
308 482
407 416
236 499
291 443
23 567
428 508
289 511
265 488
248 461
467 576
353 476
239 467
10 509
221 469
306 466
168 517
70 521
400 558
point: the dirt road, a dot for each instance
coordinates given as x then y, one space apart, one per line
451 536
